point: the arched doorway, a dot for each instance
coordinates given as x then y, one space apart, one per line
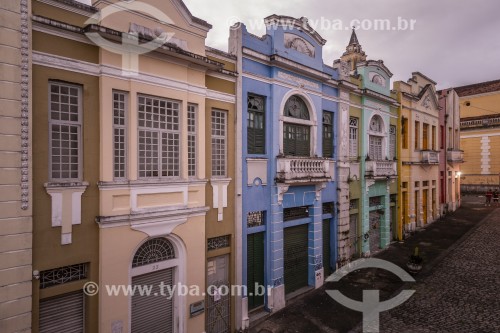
153 275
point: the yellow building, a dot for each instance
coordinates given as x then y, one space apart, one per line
136 134
419 153
480 136
15 168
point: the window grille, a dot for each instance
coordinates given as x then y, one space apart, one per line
61 275
159 137
191 122
295 213
218 242
218 143
154 250
119 134
255 219
65 131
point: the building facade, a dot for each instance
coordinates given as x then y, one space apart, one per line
16 204
419 157
287 148
134 168
220 113
66 145
450 156
372 153
480 136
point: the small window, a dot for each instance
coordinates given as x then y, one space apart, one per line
392 142
327 134
295 213
255 219
404 133
65 121
353 137
191 122
327 207
219 148
417 135
119 134
256 129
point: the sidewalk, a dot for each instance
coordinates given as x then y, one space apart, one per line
317 312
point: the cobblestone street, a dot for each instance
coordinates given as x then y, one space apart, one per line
457 291
461 295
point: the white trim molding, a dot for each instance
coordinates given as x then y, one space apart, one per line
219 195
66 206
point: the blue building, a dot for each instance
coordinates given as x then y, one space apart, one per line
287 200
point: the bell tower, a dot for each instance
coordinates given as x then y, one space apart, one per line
354 52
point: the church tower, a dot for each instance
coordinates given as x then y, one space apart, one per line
354 52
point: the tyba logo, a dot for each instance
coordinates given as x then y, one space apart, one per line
130 48
371 306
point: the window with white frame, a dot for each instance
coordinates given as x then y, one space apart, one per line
119 134
219 124
65 121
159 137
191 122
353 137
375 139
392 142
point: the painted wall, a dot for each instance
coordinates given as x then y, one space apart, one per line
15 167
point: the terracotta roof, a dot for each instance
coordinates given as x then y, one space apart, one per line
478 88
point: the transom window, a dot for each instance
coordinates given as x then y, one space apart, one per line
65 131
295 107
154 250
256 133
296 128
159 137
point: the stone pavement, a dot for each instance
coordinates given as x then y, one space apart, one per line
457 291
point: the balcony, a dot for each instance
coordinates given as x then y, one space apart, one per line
378 169
430 157
304 170
455 156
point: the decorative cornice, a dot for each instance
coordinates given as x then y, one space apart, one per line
25 105
220 96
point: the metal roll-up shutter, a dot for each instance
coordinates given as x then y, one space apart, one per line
326 247
255 268
62 314
153 313
295 257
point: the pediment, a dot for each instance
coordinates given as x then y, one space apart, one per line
428 99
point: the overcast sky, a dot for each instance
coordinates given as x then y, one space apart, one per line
454 42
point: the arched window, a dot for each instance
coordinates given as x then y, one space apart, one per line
154 250
376 138
296 129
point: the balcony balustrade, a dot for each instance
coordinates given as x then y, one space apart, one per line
455 156
305 169
430 157
381 169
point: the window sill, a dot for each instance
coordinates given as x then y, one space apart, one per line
67 185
